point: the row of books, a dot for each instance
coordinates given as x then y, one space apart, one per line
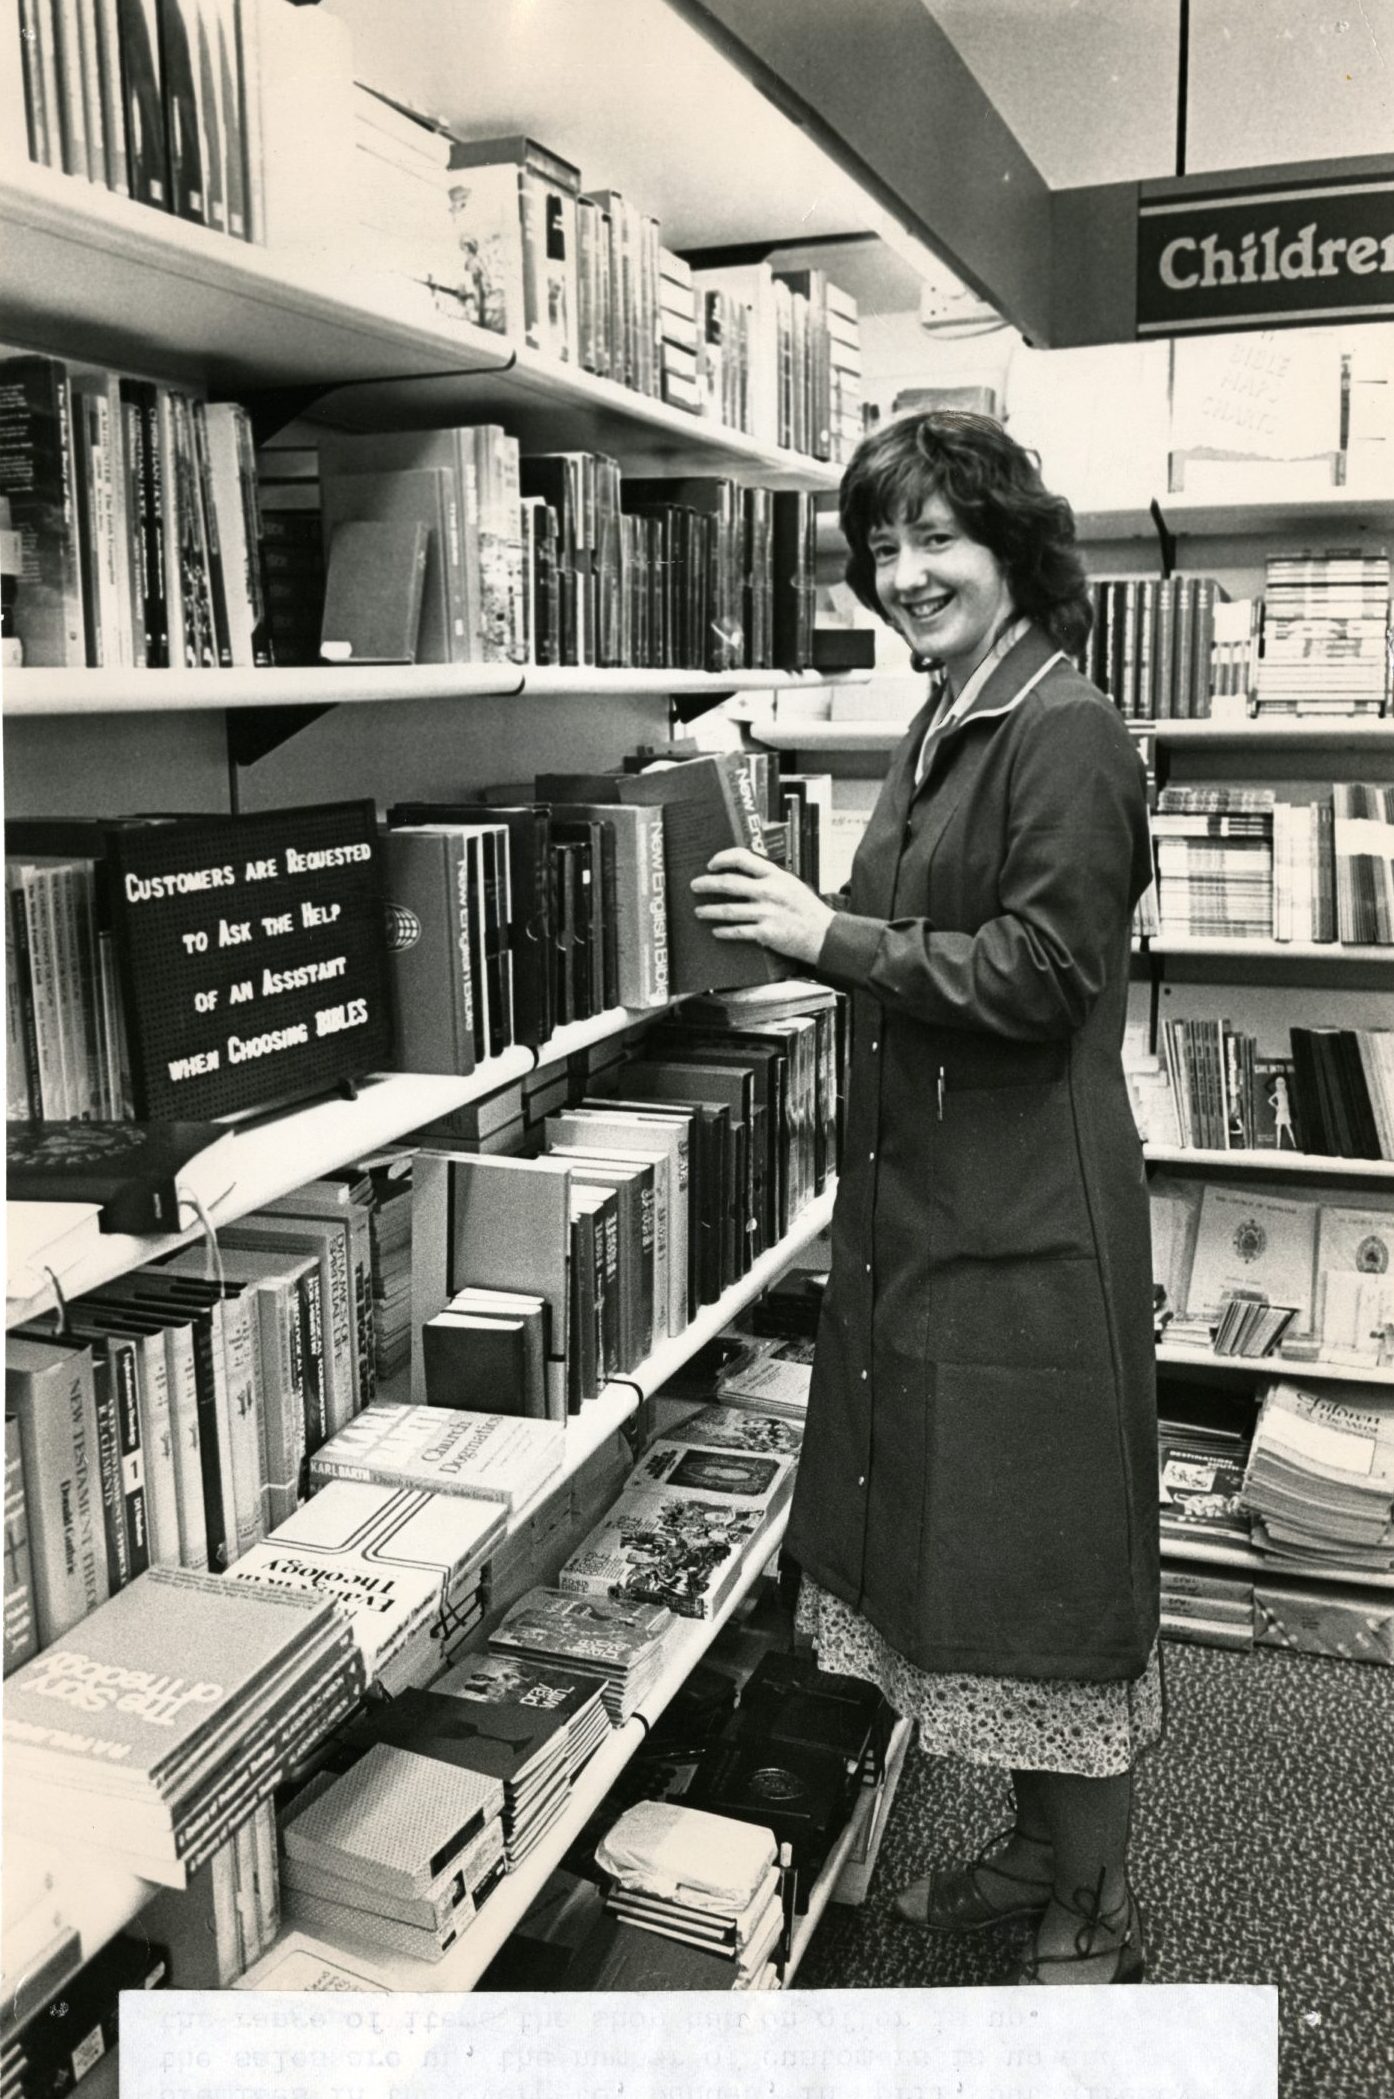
1211 1089
1236 863
168 1423
653 1193
135 506
145 541
1151 643
507 917
779 356
552 558
1326 646
1328 1266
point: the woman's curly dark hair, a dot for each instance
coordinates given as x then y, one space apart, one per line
993 486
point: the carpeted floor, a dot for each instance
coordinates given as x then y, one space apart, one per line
1263 1851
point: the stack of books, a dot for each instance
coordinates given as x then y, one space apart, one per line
1215 861
181 1756
771 1373
678 336
701 1879
404 1566
542 1695
396 1853
1325 635
683 1527
488 1457
617 1644
1201 1470
290 505
1320 1478
793 339
1208 1609
400 202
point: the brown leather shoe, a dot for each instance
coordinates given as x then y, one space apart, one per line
956 1899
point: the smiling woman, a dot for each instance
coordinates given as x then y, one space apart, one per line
975 1514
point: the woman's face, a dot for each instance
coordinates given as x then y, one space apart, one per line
946 593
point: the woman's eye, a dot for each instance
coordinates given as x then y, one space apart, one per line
883 553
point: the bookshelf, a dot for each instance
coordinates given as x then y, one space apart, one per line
107 280
1171 1356
99 1902
1215 1553
1281 1162
798 732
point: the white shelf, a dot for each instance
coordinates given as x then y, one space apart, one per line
278 1155
820 1895
92 275
1209 518
1327 951
788 733
1214 1553
1271 1162
1357 732
104 1901
1173 1357
63 692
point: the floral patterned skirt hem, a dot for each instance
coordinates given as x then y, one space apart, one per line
1095 1730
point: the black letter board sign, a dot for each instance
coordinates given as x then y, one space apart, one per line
252 957
1279 257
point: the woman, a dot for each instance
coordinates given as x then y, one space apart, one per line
976 1510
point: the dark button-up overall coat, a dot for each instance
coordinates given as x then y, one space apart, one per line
978 1474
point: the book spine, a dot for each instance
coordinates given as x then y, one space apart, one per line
58 1440
242 1372
53 1083
108 38
157 1444
183 129
42 116
37 476
186 1436
118 1557
142 83
215 1467
22 1063
312 1356
66 19
20 1624
131 1454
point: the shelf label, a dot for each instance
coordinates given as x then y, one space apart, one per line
252 953
1274 258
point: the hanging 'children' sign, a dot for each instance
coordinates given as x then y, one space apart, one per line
252 956
1296 252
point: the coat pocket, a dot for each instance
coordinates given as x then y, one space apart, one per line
1005 1176
1025 1531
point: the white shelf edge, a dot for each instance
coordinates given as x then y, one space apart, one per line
1271 1162
819 735
1269 950
1216 517
1270 1367
820 1895
1356 730
288 1150
81 692
1214 1553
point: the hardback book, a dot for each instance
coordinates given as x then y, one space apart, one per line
509 1682
523 1747
394 1820
633 1180
397 1559
37 476
472 1357
373 592
801 1796
1251 1241
149 1376
410 499
618 1136
430 953
638 911
707 806
50 1392
266 1231
490 1456
132 1170
190 1368
345 1198
494 1223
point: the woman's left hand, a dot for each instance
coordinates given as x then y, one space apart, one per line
752 899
